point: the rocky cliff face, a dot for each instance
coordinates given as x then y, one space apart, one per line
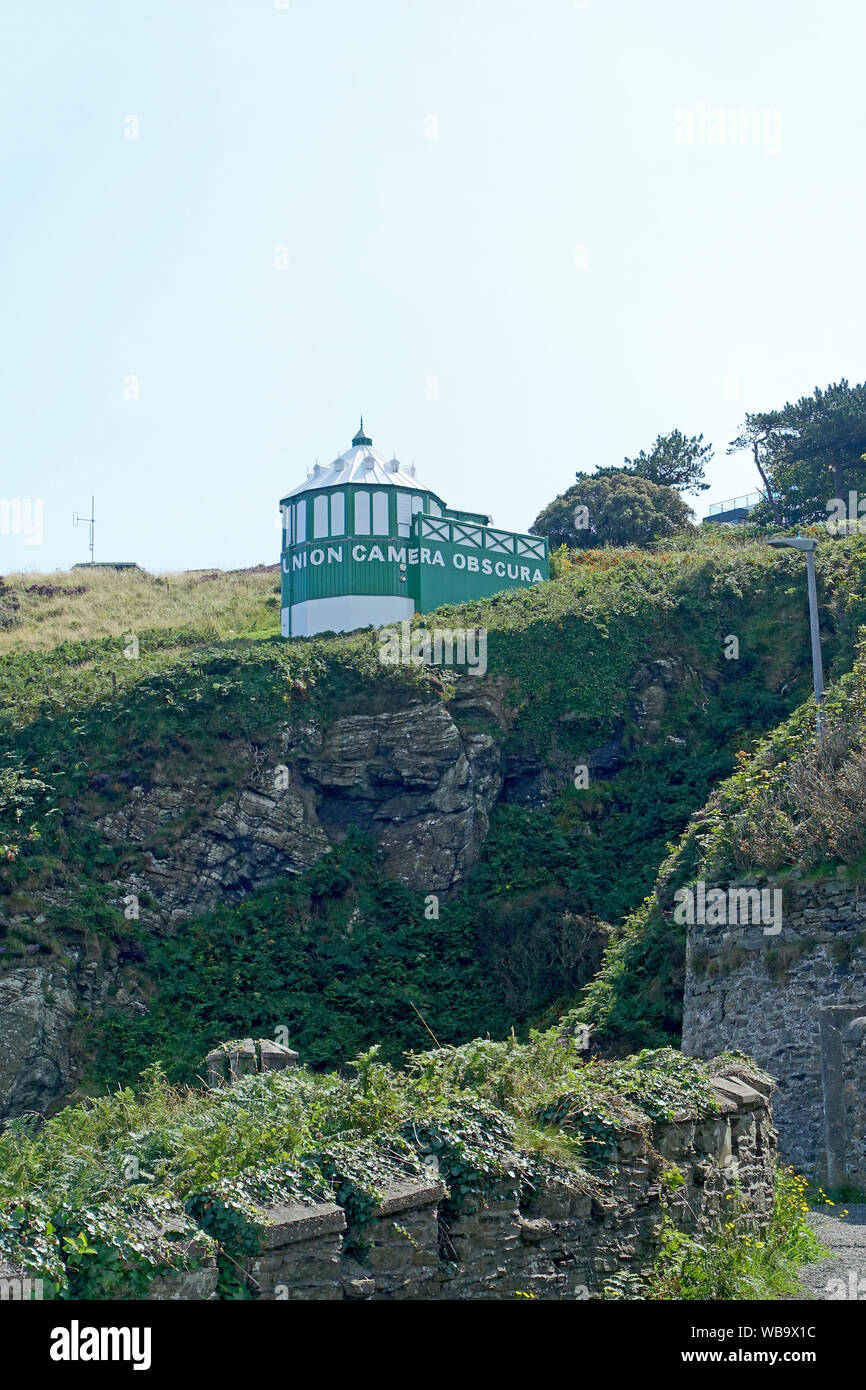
39 1005
421 776
409 776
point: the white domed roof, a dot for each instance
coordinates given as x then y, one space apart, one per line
361 464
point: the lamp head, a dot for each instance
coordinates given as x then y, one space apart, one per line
795 542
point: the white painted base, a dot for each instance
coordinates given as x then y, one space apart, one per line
346 613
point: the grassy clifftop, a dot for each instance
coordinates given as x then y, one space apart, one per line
39 611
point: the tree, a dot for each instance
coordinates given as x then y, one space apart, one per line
674 461
612 508
808 452
757 434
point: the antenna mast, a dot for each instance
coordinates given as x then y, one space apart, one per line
91 521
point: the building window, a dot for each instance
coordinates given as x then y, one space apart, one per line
338 514
380 514
435 509
301 522
320 515
404 514
362 513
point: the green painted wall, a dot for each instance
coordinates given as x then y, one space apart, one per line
446 559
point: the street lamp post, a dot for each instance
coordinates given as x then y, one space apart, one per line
807 544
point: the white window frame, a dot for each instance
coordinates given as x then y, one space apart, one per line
404 514
362 514
320 516
381 518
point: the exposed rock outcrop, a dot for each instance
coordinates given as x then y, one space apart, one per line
40 1000
421 776
408 776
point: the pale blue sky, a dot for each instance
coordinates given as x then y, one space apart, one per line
714 278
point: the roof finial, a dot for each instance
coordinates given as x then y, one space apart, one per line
361 437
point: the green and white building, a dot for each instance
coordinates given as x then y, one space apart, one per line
365 543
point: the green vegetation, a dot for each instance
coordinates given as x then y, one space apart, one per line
726 1263
105 1195
675 460
340 957
791 808
811 451
39 611
612 507
82 724
795 804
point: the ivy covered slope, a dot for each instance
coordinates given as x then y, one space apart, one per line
792 809
619 665
106 1195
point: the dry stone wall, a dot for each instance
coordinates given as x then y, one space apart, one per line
792 1001
558 1242
553 1241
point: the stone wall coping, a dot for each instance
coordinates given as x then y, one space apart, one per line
284 1225
742 1095
765 1085
275 1052
403 1196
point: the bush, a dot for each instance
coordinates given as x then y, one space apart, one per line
615 508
